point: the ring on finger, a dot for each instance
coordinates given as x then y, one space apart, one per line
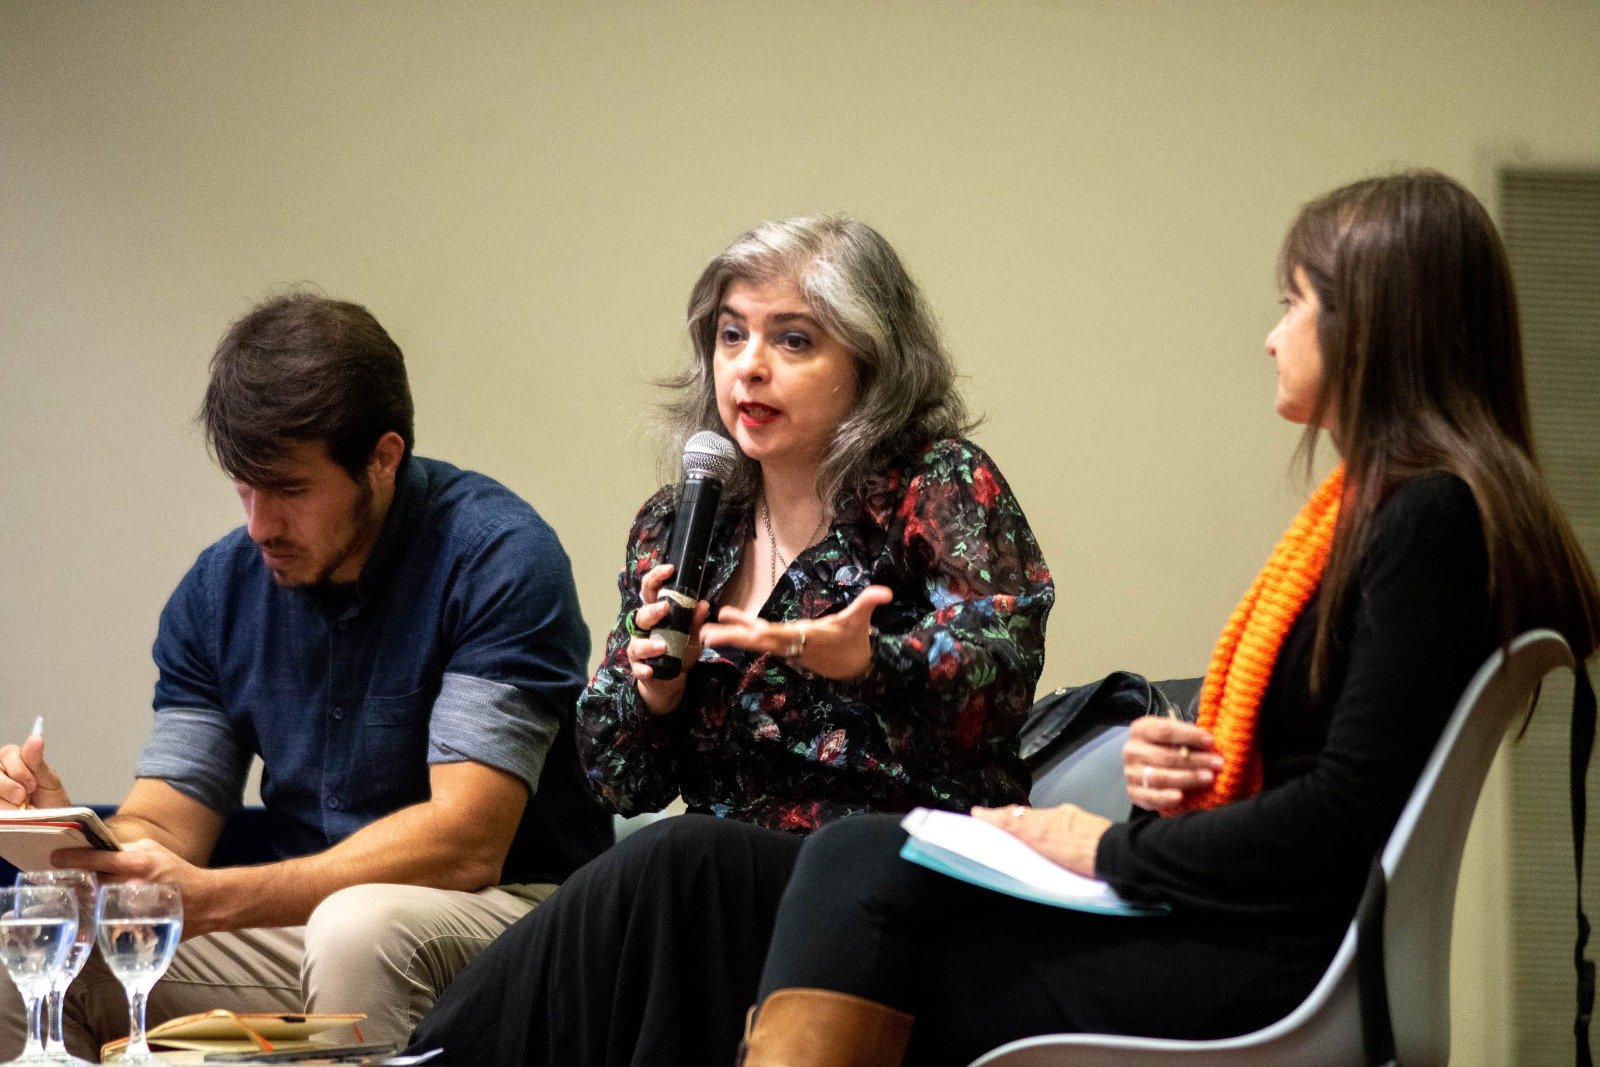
630 622
797 647
1183 753
1146 778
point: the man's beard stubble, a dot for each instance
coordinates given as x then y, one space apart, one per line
363 524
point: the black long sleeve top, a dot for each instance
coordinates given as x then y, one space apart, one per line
1339 767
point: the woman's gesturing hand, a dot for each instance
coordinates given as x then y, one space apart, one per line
1165 761
837 646
660 696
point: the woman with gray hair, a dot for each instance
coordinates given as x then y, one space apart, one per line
880 614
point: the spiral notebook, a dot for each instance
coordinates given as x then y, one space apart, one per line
29 836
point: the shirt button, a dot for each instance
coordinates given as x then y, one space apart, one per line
338 711
333 803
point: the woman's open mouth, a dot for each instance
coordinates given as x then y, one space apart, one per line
752 414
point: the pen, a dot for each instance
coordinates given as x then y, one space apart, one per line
38 731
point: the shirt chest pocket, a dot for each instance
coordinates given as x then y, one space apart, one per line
388 745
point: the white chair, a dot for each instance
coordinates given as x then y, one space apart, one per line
1420 865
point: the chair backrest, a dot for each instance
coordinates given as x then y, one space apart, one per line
1421 864
1422 860
1090 775
1083 764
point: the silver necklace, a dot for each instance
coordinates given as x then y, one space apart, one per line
773 558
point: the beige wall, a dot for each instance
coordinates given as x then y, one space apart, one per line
1090 193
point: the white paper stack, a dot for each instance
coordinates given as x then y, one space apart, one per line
974 851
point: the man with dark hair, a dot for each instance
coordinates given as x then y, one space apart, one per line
399 641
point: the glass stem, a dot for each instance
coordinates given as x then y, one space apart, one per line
35 1045
57 1041
137 1046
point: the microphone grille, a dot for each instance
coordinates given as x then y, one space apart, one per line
709 455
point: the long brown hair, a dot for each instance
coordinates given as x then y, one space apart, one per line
1422 371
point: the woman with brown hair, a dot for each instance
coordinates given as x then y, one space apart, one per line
1433 540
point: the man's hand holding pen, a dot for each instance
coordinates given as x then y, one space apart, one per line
26 780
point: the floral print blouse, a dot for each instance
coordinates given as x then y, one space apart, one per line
955 661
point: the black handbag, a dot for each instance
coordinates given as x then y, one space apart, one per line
1060 722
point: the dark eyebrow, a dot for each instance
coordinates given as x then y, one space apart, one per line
795 316
278 485
782 318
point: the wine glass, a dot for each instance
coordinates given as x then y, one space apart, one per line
37 925
82 885
137 927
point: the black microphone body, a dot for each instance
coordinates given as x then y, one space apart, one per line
705 464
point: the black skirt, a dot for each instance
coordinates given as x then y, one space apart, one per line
648 955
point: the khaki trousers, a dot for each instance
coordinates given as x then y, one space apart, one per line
386 950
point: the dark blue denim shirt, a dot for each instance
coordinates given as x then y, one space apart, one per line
462 641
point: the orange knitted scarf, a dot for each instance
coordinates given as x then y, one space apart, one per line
1248 648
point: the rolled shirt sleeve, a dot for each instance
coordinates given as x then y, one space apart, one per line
193 746
491 723
194 751
519 651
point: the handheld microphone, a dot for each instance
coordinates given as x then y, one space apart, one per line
708 458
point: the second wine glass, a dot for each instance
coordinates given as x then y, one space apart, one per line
138 927
37 925
83 886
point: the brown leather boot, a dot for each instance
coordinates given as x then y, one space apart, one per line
822 1028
